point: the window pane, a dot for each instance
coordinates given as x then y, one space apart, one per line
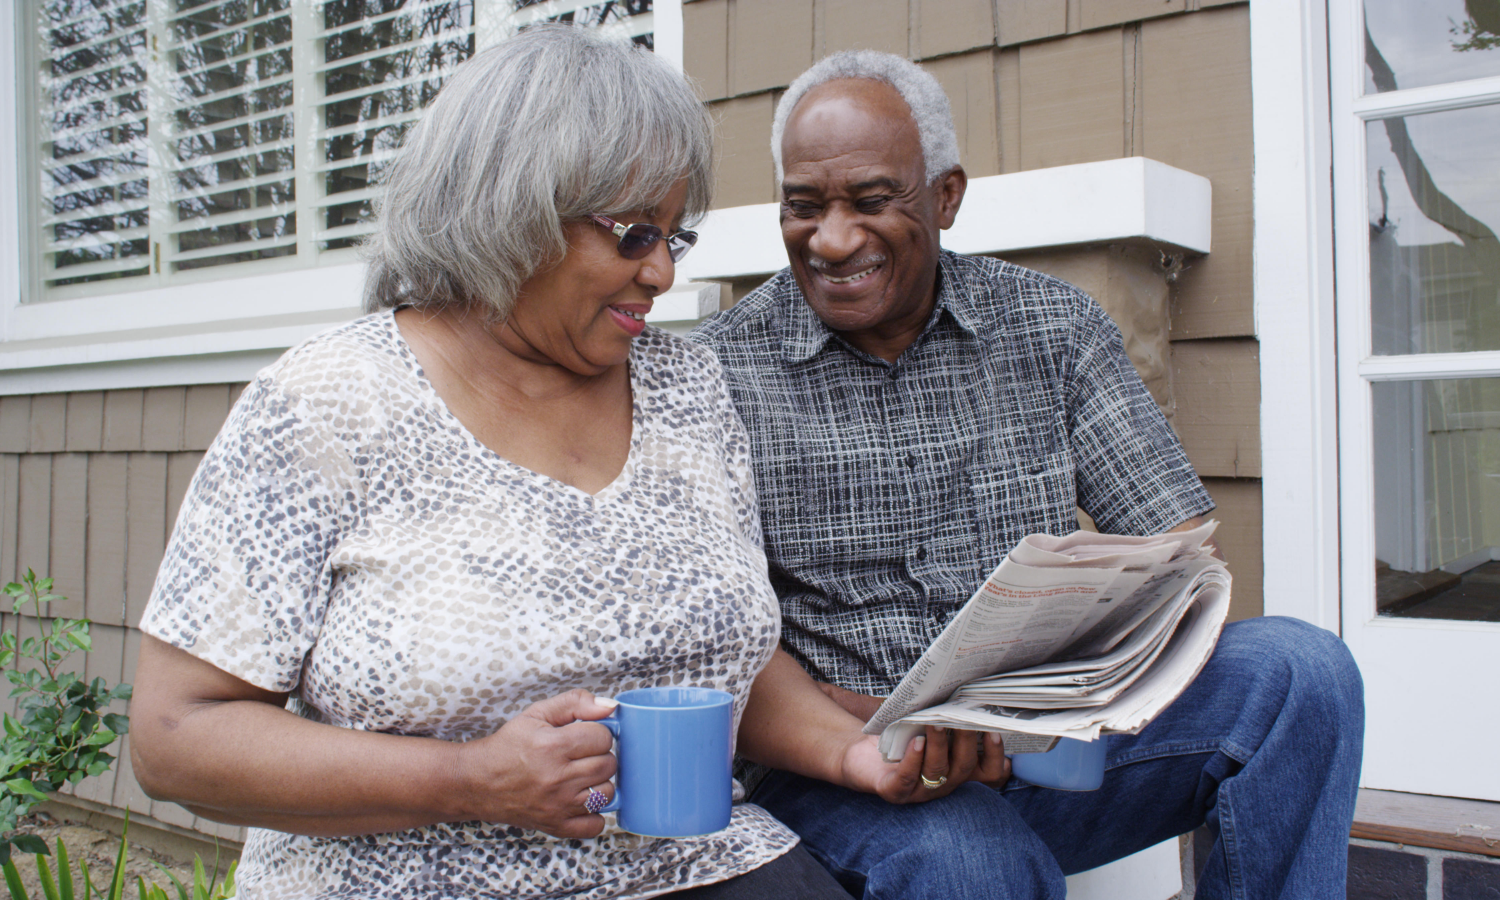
1414 43
1437 498
94 147
1434 199
231 143
382 69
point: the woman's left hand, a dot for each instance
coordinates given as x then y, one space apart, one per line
934 765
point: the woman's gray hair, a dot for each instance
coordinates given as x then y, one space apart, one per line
922 93
545 128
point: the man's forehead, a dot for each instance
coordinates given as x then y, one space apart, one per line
855 123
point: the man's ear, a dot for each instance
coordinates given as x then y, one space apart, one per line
950 188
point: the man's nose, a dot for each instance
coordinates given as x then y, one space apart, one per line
837 237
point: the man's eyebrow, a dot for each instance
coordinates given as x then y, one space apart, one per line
882 183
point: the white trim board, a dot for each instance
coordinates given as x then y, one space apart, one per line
196 333
1293 278
1089 203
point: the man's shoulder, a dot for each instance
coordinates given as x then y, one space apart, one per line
754 323
1002 291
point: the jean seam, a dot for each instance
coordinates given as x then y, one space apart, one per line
1178 748
1232 874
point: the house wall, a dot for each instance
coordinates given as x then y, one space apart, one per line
1041 83
90 484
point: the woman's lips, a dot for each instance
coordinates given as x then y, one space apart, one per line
633 321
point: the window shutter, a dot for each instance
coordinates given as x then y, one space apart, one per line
94 149
187 135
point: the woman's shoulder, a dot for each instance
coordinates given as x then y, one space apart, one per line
670 360
354 357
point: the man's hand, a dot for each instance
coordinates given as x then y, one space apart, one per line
944 755
935 764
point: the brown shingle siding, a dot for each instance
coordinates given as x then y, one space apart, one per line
161 418
107 536
1023 21
1217 386
705 46
10 491
1104 13
180 469
15 424
49 423
122 419
204 409
969 82
770 43
146 518
1071 100
85 427
952 26
865 25
746 174
1196 110
67 560
1239 535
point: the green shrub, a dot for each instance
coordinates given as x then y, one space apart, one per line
61 735
63 887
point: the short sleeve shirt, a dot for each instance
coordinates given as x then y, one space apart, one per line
889 491
347 540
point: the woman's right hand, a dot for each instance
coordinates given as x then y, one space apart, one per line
536 771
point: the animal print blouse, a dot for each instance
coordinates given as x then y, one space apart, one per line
346 539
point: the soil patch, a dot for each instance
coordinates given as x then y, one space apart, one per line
98 850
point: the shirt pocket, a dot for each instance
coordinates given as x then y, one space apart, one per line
1024 483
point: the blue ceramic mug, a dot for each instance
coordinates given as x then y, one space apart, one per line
675 749
1071 765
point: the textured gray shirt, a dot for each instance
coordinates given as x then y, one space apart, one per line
889 491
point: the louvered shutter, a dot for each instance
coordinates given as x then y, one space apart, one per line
187 135
94 154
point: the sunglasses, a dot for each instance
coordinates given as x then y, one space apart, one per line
638 240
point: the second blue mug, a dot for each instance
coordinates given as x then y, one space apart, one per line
675 748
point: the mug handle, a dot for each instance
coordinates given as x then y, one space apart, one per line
613 724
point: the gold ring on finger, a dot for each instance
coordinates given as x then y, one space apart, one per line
933 784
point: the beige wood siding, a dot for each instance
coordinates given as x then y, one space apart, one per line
1040 83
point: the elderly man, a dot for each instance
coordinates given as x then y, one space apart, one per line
913 413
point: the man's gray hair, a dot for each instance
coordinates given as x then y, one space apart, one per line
922 93
545 128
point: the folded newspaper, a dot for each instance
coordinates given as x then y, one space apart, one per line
1069 637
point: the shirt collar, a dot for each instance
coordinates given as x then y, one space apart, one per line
806 335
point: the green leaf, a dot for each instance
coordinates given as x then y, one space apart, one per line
81 641
101 738
12 727
30 843
25 788
44 877
12 877
117 877
119 723
64 874
182 892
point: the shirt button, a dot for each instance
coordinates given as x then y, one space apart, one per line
921 553
911 460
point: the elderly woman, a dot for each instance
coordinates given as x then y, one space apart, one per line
424 541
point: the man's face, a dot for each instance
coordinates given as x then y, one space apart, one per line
858 217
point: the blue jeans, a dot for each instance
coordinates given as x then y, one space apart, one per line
1264 747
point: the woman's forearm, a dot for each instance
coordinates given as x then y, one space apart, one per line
790 724
230 752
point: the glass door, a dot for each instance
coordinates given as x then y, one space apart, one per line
1416 139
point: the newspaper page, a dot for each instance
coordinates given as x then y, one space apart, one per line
1064 623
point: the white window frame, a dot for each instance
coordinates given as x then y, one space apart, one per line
1294 309
221 328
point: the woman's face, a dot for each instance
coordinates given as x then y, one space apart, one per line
583 312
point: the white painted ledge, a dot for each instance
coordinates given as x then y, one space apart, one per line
1090 203
1152 874
227 330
